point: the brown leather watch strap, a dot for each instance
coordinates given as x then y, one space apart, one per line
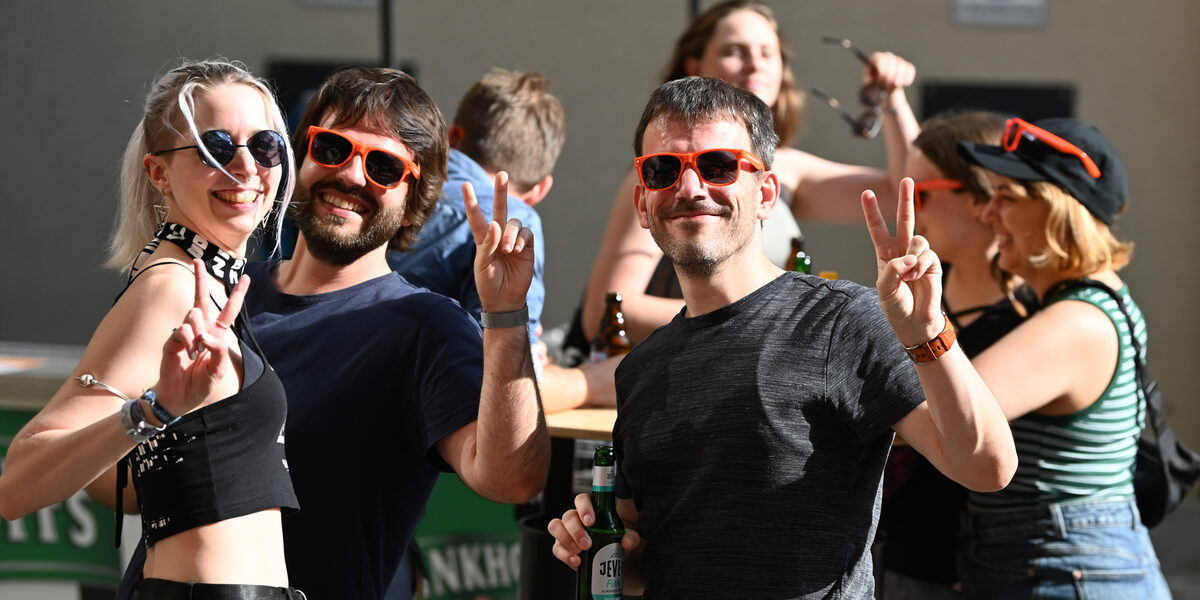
931 350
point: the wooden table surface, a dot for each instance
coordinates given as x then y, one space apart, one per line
583 423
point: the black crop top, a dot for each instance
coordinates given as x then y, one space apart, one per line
221 461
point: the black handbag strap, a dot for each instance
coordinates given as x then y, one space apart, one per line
1156 417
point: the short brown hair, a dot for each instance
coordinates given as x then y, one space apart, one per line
390 102
511 122
939 138
788 109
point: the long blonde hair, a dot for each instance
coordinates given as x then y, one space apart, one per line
137 219
788 109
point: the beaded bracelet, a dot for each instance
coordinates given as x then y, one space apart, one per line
160 412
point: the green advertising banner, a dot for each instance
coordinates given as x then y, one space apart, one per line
68 541
472 546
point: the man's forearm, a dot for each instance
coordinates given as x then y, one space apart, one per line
512 446
562 389
589 384
974 437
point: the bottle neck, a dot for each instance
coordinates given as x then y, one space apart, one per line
603 477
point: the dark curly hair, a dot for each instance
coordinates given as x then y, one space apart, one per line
390 102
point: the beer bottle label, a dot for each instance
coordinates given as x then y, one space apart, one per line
603 478
597 356
608 564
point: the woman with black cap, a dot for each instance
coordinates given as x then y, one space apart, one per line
1067 525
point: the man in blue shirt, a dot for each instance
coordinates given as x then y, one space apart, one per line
508 121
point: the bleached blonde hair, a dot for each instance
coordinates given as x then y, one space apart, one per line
170 104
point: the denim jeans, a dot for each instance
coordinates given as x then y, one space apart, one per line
1070 550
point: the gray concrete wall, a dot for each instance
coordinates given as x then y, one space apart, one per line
74 72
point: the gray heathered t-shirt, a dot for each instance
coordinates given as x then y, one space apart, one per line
752 440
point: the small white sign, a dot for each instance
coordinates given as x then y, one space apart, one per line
1000 13
341 3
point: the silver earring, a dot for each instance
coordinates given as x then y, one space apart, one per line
162 210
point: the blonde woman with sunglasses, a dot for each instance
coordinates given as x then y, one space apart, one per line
172 394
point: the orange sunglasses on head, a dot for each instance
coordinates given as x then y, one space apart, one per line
921 187
719 166
384 168
1016 130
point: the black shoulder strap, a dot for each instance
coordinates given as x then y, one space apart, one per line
1156 416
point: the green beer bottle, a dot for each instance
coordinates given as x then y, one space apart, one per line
601 573
800 262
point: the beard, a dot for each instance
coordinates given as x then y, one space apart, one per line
696 257
322 235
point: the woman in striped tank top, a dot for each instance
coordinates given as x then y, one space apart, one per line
1067 525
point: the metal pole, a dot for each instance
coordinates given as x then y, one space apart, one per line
385 33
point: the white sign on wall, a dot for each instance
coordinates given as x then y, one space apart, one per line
341 3
1000 13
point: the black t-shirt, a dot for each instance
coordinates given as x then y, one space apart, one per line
752 440
376 374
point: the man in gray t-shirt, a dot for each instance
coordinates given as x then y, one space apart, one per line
753 428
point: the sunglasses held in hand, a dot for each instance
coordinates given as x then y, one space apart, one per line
384 168
868 123
719 166
266 147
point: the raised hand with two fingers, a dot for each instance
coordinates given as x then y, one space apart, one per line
910 274
196 356
504 261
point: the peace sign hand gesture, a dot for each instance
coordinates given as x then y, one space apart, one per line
503 251
196 355
910 274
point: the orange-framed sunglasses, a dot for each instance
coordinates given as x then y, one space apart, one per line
920 188
1016 130
718 166
384 168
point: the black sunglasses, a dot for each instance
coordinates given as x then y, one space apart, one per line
266 147
868 123
719 166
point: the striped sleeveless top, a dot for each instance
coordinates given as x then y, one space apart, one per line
1087 455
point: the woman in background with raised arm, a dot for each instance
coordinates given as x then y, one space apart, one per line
171 391
738 41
